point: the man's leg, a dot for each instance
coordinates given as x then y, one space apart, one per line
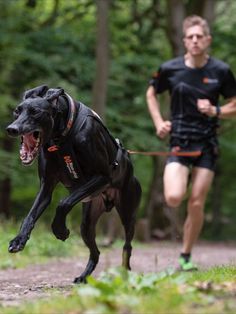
201 182
175 186
175 183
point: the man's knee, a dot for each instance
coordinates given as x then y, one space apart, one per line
173 200
196 206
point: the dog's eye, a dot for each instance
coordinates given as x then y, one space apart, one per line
16 112
33 111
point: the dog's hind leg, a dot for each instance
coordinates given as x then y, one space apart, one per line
91 213
127 207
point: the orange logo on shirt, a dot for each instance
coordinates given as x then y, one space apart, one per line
207 80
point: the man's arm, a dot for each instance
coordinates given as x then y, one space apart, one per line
229 109
163 128
226 111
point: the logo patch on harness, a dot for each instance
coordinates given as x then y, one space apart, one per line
53 148
70 166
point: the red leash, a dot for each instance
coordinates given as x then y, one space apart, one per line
173 153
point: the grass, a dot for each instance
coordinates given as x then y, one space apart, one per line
119 291
116 290
41 247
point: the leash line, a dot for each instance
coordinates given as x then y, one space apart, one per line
173 153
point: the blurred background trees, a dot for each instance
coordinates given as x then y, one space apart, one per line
103 53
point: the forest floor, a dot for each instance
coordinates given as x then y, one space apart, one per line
56 277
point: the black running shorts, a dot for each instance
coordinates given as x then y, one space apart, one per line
207 159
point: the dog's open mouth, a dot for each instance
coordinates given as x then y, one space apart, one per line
30 144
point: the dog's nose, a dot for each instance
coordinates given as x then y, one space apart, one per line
12 130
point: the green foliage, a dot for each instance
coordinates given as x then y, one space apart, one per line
35 51
55 45
119 291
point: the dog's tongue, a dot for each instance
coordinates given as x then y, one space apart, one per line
29 148
29 142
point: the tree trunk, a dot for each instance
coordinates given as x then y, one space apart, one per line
5 199
109 223
204 8
208 11
102 58
175 16
5 183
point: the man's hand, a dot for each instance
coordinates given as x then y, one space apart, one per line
164 129
205 106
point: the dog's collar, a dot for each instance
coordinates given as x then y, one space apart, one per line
71 115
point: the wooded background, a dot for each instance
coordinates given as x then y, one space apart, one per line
103 53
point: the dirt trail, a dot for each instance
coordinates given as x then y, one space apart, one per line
38 281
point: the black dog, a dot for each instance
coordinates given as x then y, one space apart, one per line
75 148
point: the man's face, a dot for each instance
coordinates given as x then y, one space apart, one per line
196 41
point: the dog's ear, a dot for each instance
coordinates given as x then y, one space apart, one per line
53 95
35 92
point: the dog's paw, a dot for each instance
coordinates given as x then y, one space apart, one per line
17 244
60 232
79 280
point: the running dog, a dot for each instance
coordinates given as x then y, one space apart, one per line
75 148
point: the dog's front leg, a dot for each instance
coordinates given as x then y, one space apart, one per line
42 200
95 184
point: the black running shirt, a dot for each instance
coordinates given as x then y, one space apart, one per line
185 86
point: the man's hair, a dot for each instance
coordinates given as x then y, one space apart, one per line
193 20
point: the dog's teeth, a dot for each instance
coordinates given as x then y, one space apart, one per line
23 156
29 148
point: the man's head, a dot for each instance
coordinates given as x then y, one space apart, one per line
197 36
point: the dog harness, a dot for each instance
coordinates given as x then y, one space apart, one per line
65 151
64 148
